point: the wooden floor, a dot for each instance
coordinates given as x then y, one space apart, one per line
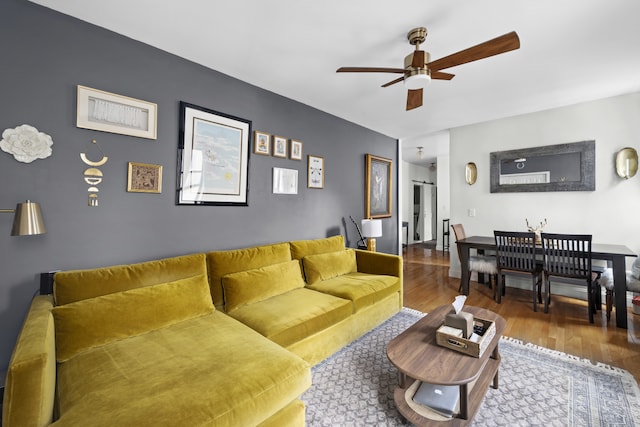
565 328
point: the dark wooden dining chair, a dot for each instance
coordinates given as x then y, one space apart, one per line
485 264
516 256
567 258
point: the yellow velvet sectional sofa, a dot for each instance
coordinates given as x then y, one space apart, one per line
224 338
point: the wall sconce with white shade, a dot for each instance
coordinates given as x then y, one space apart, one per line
27 220
627 162
371 228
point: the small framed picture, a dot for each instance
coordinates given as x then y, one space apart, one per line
279 146
295 150
315 172
144 178
261 143
285 181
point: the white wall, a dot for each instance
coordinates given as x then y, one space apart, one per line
610 213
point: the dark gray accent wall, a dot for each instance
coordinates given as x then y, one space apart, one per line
46 55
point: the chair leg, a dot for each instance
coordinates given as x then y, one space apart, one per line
497 289
535 290
547 293
609 302
590 302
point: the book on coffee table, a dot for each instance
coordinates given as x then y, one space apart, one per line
442 399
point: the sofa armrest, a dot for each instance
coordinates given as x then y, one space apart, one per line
379 263
31 376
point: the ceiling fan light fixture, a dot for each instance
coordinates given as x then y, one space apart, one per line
417 79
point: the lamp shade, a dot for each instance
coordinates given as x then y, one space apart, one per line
28 220
371 228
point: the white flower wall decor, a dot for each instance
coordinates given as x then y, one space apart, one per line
26 143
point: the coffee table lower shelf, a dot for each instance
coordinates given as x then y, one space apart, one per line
472 400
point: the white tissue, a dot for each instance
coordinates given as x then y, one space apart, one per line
459 303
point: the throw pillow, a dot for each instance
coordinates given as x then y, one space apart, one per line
332 264
247 287
92 322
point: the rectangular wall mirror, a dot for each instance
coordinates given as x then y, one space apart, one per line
561 167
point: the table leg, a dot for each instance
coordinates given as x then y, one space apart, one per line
464 267
464 402
402 380
620 290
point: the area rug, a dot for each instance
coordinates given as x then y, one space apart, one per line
538 386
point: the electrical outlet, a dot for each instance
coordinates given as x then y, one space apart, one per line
472 212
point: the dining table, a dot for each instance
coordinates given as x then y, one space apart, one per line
614 255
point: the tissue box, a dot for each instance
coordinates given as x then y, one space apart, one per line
462 321
463 345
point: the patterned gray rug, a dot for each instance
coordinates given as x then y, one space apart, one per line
538 386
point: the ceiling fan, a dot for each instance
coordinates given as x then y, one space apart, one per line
419 69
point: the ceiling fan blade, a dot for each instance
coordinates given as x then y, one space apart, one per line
439 75
392 82
414 99
418 59
369 70
502 44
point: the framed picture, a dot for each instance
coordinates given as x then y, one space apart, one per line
378 187
108 112
285 181
262 143
315 172
144 178
213 158
279 146
295 150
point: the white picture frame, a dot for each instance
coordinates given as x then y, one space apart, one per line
285 181
108 112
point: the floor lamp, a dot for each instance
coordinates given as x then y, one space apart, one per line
27 220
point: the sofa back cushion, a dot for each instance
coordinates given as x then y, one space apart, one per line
221 263
302 248
247 287
92 322
329 265
77 285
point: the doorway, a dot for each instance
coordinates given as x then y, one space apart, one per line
425 201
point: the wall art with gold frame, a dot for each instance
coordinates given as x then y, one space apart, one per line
261 143
213 158
144 178
378 186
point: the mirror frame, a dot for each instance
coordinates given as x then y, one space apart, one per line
587 168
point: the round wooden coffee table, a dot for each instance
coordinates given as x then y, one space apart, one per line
419 359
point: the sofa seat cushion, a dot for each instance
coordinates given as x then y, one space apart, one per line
362 289
290 317
211 370
247 287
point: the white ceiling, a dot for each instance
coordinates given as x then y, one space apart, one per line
571 51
